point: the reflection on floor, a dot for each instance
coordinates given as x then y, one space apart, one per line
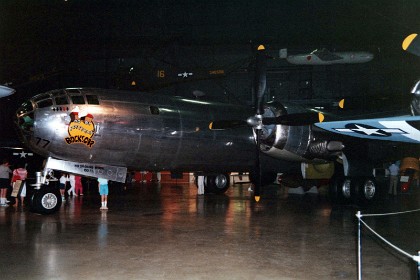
166 231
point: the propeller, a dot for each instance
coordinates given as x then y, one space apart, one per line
259 90
258 121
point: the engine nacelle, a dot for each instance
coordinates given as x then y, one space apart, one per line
295 143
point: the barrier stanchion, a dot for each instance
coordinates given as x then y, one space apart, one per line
359 247
418 265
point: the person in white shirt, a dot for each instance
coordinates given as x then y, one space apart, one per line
5 171
72 181
393 178
63 180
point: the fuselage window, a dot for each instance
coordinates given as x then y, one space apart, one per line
92 99
61 100
44 103
77 99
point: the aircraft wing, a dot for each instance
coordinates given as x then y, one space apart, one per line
399 129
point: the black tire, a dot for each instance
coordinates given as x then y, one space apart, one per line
366 190
216 184
340 190
45 201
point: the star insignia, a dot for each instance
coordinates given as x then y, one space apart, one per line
369 130
185 74
22 154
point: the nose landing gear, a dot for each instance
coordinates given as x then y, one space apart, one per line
46 198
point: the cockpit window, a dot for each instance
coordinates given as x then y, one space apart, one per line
44 103
57 92
40 96
25 108
73 90
92 99
61 100
77 99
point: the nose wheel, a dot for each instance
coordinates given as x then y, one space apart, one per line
46 200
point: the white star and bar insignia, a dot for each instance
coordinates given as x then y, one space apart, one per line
370 130
185 74
23 154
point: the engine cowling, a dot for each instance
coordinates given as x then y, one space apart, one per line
296 143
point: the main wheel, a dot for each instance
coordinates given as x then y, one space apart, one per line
47 200
216 183
366 190
340 190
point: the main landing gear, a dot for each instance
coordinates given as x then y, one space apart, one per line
215 183
359 190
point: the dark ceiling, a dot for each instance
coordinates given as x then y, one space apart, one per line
36 34
38 39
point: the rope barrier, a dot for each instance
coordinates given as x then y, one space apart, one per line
359 216
390 214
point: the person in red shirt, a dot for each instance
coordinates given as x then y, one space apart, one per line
20 174
78 185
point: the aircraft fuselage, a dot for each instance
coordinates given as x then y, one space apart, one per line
141 131
339 58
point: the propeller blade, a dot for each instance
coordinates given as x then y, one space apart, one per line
257 187
259 91
412 44
260 79
295 119
341 103
226 124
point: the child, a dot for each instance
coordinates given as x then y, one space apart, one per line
103 191
63 180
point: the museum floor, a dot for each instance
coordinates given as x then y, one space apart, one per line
166 231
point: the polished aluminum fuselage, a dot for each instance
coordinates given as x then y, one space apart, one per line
144 131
